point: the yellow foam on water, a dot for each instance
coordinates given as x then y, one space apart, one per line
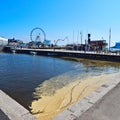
48 107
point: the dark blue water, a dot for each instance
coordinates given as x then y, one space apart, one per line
20 74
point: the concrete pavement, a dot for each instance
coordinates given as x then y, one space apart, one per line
108 108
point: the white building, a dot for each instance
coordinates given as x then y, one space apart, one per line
3 41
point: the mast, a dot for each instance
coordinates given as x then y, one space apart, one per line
81 37
77 40
109 38
81 40
73 36
77 37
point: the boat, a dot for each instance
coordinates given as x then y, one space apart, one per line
115 48
33 52
13 51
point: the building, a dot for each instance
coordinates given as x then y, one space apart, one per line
96 45
3 41
14 42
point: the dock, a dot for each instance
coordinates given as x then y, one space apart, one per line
104 56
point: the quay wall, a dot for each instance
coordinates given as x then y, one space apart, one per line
76 54
12 109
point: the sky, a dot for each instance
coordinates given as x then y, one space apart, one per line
61 18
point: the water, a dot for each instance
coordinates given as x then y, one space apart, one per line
21 74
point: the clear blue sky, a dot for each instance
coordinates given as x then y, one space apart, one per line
59 18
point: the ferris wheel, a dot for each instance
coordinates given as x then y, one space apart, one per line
37 35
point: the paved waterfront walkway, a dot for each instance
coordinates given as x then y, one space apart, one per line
108 108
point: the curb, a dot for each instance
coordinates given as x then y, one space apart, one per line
13 110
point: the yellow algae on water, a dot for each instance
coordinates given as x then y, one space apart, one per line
47 107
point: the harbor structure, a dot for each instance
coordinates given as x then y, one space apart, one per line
68 53
90 45
96 45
